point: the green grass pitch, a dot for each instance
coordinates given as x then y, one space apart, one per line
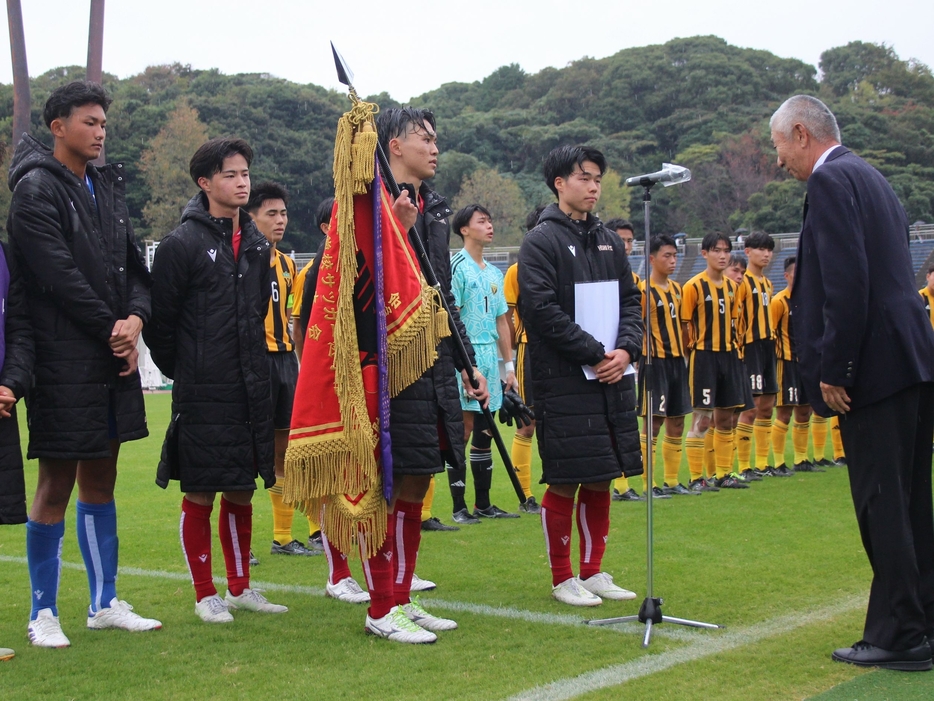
780 565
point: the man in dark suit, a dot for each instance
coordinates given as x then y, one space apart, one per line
867 354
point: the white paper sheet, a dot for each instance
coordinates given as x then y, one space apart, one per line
596 310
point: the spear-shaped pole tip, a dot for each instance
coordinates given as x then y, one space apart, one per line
344 74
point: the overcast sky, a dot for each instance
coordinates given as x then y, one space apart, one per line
409 48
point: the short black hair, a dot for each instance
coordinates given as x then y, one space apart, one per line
465 214
323 212
265 191
737 258
930 269
531 220
660 240
561 161
63 100
209 158
394 123
711 240
759 239
791 260
615 225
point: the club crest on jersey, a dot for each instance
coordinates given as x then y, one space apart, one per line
572 250
494 288
213 253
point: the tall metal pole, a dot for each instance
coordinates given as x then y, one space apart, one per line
21 105
95 71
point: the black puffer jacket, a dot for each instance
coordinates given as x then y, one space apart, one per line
587 430
207 333
16 375
83 272
432 401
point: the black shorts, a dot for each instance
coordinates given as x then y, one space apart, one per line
759 358
524 374
717 380
671 395
789 379
283 376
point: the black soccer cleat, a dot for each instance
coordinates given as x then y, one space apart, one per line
731 482
531 506
434 524
292 548
807 467
464 518
492 511
681 490
751 475
629 495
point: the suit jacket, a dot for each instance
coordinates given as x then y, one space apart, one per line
858 321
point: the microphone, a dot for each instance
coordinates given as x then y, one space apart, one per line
669 175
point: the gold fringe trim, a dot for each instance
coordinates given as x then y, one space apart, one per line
315 470
343 526
413 347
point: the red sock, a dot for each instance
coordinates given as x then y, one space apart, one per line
194 529
235 527
408 530
593 526
337 561
378 572
556 522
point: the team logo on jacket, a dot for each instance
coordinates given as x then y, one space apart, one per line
572 250
213 253
604 247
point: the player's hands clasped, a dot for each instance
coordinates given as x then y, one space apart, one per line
611 368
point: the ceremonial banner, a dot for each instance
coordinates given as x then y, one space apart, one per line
374 329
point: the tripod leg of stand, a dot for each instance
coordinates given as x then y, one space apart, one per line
648 634
693 624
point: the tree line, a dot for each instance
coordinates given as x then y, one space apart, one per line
699 102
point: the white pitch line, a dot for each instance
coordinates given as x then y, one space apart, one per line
457 606
615 675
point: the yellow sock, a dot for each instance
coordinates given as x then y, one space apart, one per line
743 442
710 462
779 435
521 460
429 498
723 452
671 457
836 438
694 447
818 436
645 470
281 517
762 432
799 439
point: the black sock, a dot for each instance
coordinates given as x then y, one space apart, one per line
457 477
481 466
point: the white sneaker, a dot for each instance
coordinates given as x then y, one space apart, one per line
601 584
252 600
6 654
419 616
419 584
398 627
572 592
46 631
213 609
348 591
120 615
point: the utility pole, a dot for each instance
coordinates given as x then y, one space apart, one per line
21 105
95 70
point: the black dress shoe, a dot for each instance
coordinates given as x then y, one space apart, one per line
434 524
862 654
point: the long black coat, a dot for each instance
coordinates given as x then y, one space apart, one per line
207 333
432 402
83 272
587 431
855 307
16 375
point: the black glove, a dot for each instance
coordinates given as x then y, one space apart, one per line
514 408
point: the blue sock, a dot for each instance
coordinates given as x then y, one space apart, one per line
97 539
44 555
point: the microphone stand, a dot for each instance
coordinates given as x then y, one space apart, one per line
650 612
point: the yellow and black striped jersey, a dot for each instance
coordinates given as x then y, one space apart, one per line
752 298
928 302
666 322
636 279
511 291
780 313
711 311
278 338
298 289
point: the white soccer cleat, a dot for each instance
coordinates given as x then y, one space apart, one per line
398 627
120 615
420 617
419 584
252 600
601 584
213 609
46 631
572 592
348 591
